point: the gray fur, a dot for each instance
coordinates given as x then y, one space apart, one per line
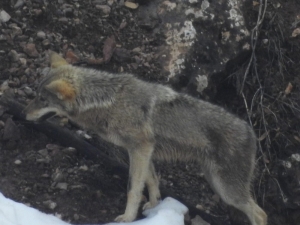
152 121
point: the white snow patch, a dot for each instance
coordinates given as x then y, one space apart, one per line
13 213
168 212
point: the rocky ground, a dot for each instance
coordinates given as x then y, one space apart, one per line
110 35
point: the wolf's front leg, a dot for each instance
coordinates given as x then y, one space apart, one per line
139 159
152 183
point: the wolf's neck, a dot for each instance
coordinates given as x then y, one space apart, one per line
98 89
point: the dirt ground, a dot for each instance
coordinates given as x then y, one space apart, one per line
55 179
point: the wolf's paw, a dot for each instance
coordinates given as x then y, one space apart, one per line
124 218
149 205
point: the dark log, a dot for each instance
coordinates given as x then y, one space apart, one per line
66 138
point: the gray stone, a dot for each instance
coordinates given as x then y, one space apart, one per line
192 37
41 35
62 186
19 4
105 9
11 131
4 16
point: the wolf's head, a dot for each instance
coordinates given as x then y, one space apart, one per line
56 93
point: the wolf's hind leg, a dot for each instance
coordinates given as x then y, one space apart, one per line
236 192
152 183
139 159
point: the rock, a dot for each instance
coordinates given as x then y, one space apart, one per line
190 31
76 216
19 4
296 157
4 16
28 91
21 93
23 61
131 5
62 186
43 152
58 176
50 204
30 50
202 82
2 124
69 150
16 31
99 2
37 12
198 221
11 131
46 42
121 55
296 32
95 61
14 56
71 57
18 162
108 48
3 37
52 147
84 168
41 35
110 2
105 9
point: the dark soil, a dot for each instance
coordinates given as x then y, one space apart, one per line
39 172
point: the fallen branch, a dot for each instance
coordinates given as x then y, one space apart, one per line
67 138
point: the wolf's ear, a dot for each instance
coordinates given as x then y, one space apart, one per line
62 89
56 60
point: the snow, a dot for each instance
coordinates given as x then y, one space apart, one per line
167 212
13 213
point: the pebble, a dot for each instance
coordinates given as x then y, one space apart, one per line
58 176
137 49
96 2
69 150
131 5
71 57
18 162
110 2
4 16
84 168
23 61
28 91
16 31
76 217
296 157
3 37
14 56
198 221
21 93
62 186
30 50
52 146
2 124
19 4
46 42
11 131
43 152
104 8
41 35
50 204
121 55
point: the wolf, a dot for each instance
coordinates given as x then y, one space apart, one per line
153 122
